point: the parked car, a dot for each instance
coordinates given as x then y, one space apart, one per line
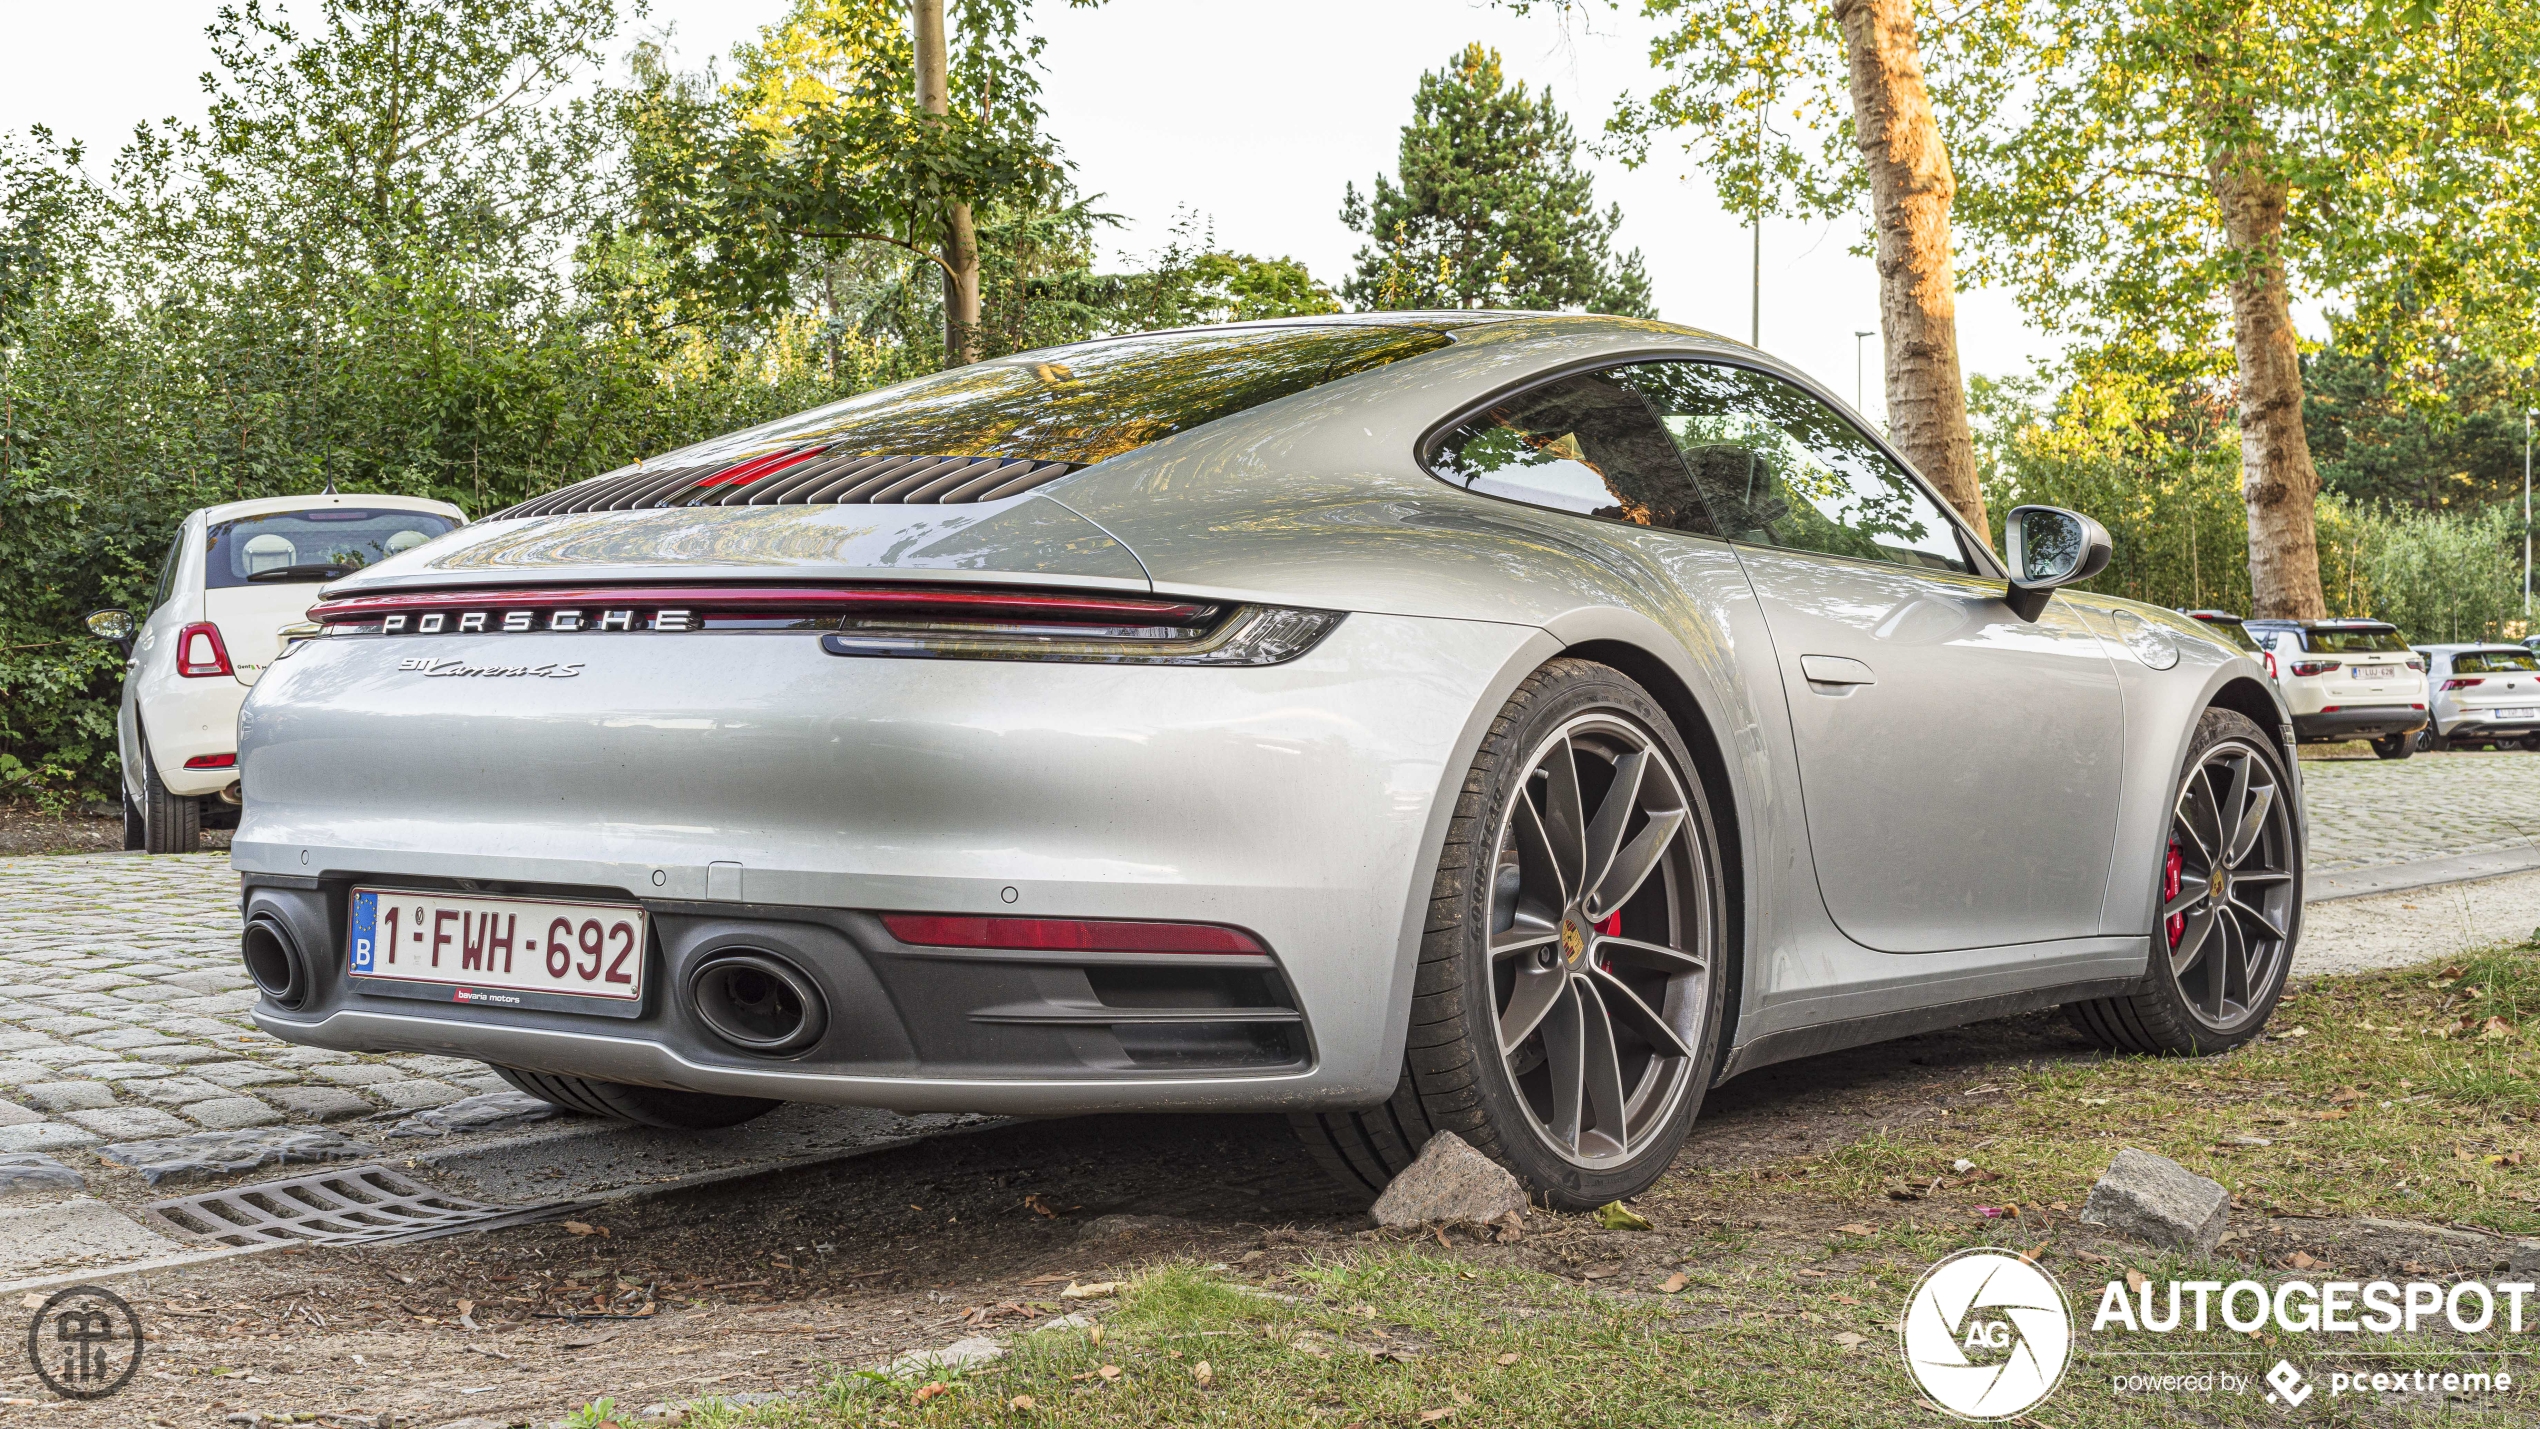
1511 724
2234 629
2483 694
234 575
2348 679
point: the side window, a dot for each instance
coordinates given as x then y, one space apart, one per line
1777 467
167 569
1588 444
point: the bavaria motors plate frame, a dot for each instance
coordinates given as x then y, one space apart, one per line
363 913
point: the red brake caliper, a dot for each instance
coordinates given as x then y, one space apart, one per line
1613 928
2170 867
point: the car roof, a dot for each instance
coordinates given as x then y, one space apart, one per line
2342 623
2481 647
274 505
2215 615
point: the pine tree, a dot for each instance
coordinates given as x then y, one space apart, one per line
1492 210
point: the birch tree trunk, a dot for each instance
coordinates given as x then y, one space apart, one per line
961 236
1911 187
2277 480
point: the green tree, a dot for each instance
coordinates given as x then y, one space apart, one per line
1491 209
2444 436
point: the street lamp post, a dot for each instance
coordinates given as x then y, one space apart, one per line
2526 522
1865 411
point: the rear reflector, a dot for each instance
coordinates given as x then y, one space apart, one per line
199 652
212 761
1075 935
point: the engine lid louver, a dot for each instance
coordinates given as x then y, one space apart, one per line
800 476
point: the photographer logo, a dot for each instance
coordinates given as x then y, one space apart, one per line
85 1343
1987 1334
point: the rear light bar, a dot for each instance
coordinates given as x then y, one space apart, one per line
596 601
212 761
1073 935
2313 667
199 652
2464 684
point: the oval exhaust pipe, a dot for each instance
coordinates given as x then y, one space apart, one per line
274 960
758 1001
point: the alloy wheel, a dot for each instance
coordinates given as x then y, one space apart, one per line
2227 905
1599 940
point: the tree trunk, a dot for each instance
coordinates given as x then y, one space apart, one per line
961 237
1911 187
2277 480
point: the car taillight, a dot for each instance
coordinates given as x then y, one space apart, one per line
199 652
212 761
2461 684
2269 657
1240 635
2417 665
1072 935
2313 667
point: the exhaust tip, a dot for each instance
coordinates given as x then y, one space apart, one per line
274 960
758 1001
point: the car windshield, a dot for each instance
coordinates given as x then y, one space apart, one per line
305 547
2384 641
1095 400
2494 662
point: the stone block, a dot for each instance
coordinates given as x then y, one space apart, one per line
122 1039
2153 1198
360 1074
231 1153
68 1096
12 1114
31 1174
319 1103
175 1054
242 1074
15 1073
127 1123
427 1065
1449 1181
416 1095
13 1041
299 1058
495 1111
125 1071
231 1113
45 1136
177 1091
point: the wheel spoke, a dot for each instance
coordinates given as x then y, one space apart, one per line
2192 941
1605 832
2183 820
2260 875
1532 929
1534 849
1535 993
2230 808
2235 969
2219 967
2191 891
1626 1007
1565 818
2259 915
1565 1058
1632 866
2253 820
1603 1069
1657 957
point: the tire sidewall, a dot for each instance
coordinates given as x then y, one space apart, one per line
1576 688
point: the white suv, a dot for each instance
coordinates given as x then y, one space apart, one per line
2348 679
234 577
2482 694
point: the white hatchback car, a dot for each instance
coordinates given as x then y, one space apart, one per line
2482 694
234 577
2348 679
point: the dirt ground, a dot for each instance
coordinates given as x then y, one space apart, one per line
26 829
770 1284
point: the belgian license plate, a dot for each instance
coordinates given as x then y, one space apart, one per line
2514 714
2375 672
559 955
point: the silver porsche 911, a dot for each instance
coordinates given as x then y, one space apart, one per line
1503 723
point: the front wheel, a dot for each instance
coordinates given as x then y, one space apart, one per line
2230 905
2396 746
2428 742
1567 1008
643 1106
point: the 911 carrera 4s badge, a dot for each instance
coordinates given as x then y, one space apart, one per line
552 670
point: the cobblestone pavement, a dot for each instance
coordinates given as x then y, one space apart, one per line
123 1016
2366 812
123 1010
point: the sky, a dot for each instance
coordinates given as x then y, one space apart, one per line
1248 117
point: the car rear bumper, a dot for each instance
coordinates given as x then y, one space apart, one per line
754 790
2371 722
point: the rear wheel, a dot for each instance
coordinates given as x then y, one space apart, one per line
2396 746
170 823
2428 742
1567 1007
2230 908
643 1106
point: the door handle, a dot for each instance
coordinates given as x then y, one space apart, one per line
1835 674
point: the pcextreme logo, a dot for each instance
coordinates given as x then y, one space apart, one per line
1987 1334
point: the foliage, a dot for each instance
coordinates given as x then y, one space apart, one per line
1491 209
2446 576
2444 436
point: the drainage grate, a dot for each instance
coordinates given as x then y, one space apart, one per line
340 1207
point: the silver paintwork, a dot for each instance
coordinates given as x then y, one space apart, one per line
1979 824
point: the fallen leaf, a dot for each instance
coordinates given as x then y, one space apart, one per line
1202 1375
1813 1274
1038 1207
1050 1280
1672 1283
584 1228
2495 1027
1615 1216
1093 1334
929 1390
1021 1401
1509 1358
1432 1416
1109 1371
467 1307
1843 1300
2300 1261
30 1301
2135 1280
2332 1114
2463 1153
1305 1346
1856 1228
1848 1339
2509 1158
2033 1252
1099 1290
1601 1272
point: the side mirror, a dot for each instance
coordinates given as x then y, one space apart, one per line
2048 547
114 625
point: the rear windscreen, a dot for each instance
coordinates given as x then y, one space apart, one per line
2357 642
1095 400
2495 662
293 547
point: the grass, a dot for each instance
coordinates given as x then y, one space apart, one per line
2406 1095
